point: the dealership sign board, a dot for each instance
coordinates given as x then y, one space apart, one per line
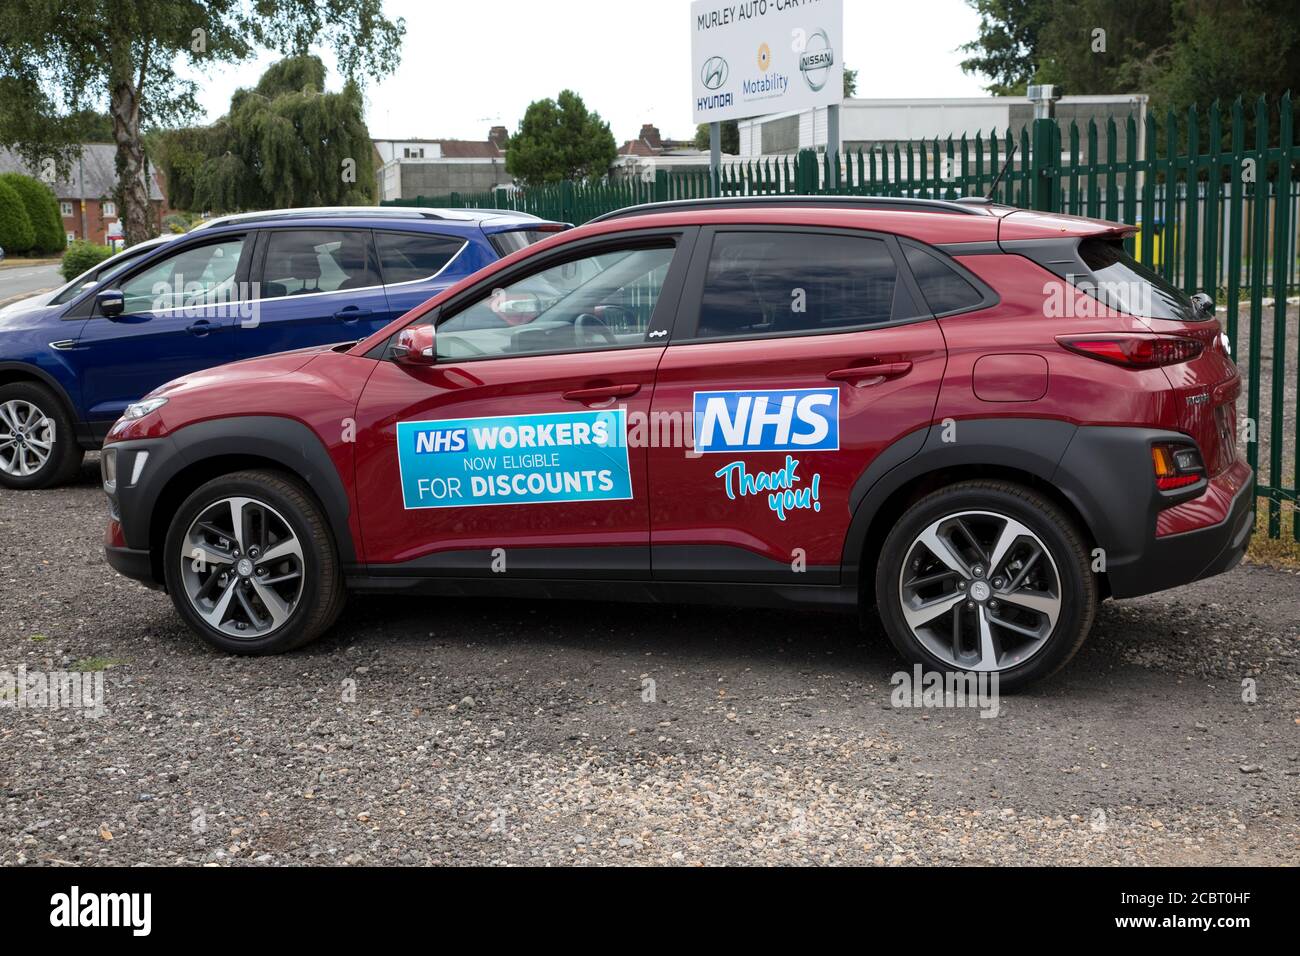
754 57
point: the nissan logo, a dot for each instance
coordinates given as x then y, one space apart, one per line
714 73
817 60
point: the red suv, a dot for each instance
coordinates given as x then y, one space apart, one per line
981 420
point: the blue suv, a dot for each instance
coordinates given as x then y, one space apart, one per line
72 362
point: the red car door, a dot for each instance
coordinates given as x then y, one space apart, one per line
510 454
797 358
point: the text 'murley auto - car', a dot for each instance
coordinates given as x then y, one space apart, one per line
978 419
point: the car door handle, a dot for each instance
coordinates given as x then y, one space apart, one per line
201 328
601 394
352 313
880 372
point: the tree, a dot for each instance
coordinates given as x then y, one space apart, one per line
1182 52
850 83
1007 48
286 142
730 137
16 234
560 139
42 211
58 57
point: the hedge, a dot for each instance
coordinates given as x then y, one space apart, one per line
16 233
81 255
42 210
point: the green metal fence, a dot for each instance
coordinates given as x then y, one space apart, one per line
1215 214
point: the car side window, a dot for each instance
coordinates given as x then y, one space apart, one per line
197 275
601 301
782 283
410 257
944 288
303 262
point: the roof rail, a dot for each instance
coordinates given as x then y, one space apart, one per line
338 212
832 202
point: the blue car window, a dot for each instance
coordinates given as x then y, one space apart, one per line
409 257
197 275
319 260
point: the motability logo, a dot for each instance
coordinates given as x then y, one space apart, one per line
816 60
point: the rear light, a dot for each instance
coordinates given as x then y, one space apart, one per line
1176 465
1134 349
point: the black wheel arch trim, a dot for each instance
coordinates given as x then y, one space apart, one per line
1101 470
285 441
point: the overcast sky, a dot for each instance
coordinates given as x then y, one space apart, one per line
469 65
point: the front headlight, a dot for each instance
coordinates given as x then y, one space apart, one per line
142 408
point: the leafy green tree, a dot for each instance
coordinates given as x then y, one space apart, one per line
1181 52
1007 49
286 142
58 57
16 233
850 83
42 211
560 139
730 137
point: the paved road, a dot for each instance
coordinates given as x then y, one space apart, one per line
16 281
455 731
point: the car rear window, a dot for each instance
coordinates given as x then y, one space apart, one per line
944 288
408 257
515 239
778 283
1123 283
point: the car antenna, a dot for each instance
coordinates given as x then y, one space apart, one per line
1001 172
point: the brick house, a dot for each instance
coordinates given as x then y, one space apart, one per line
92 179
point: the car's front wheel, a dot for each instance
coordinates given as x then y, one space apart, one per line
38 448
251 565
986 576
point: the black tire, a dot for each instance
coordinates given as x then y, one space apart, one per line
65 456
322 592
1063 542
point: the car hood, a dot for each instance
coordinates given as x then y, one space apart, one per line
254 369
25 313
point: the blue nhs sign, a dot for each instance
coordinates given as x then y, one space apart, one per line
789 419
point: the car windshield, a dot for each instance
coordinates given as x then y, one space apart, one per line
94 274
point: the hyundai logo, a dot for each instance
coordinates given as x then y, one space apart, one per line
816 61
714 73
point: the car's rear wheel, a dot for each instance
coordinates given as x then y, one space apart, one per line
986 576
38 447
251 565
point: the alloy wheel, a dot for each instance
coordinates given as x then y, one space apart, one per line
242 567
26 438
980 591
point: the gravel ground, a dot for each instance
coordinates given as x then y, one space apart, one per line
518 733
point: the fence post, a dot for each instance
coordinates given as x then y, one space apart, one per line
805 172
1046 159
661 185
566 200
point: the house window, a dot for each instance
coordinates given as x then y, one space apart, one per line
65 209
71 237
109 209
410 152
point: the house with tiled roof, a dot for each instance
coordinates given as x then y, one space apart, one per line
85 196
650 152
407 168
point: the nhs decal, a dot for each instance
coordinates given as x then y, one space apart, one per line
788 419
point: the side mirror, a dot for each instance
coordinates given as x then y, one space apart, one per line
415 346
1203 304
110 303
